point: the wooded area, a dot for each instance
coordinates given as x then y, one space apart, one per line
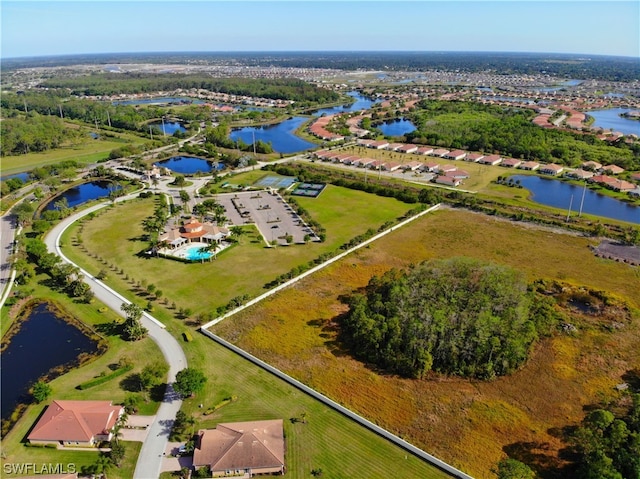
510 131
131 83
456 316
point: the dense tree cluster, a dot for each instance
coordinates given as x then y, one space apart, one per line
32 133
65 276
609 446
89 111
112 84
489 128
455 316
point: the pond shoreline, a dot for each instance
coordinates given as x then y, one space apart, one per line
25 311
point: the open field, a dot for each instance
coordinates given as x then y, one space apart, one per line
203 287
469 424
64 387
88 152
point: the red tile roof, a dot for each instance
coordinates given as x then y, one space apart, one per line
75 421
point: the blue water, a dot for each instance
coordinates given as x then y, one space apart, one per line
188 165
23 176
361 103
159 101
611 119
281 135
83 193
43 342
170 127
194 254
397 127
552 192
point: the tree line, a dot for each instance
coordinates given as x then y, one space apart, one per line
112 84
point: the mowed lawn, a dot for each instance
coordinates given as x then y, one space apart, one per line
328 440
116 235
145 352
469 424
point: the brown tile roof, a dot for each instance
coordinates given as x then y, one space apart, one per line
75 421
241 445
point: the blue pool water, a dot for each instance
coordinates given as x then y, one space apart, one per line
194 254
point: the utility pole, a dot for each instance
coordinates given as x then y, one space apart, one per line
584 190
62 117
570 204
108 119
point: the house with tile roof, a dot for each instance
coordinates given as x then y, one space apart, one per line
492 160
511 162
76 423
612 169
241 448
551 169
529 165
456 155
474 157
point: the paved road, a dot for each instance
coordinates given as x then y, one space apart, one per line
7 235
150 458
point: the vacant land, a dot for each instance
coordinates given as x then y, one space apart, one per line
470 424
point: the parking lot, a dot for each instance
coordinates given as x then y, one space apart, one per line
274 218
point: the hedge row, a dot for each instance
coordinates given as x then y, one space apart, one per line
104 379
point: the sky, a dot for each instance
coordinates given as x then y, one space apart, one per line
42 28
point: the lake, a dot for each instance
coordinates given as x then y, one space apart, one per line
398 127
189 165
611 119
361 103
556 193
22 176
83 193
169 127
281 135
43 342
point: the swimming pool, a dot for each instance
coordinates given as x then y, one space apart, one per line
193 253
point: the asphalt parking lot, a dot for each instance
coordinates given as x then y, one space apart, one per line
268 211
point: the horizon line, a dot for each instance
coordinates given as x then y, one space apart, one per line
310 51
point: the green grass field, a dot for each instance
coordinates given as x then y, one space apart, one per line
203 287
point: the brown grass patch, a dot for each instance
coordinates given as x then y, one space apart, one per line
469 424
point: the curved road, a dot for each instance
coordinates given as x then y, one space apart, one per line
150 458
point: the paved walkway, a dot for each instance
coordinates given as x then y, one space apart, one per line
151 456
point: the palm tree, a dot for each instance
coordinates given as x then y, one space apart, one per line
210 248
